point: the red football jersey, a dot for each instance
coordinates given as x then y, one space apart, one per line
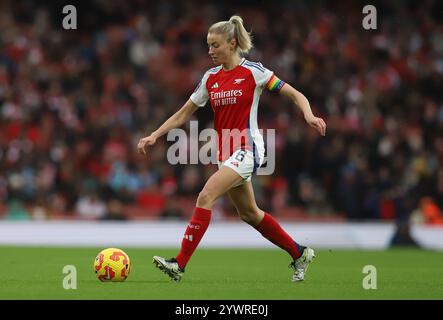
234 97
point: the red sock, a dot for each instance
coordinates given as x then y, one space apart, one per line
271 230
194 233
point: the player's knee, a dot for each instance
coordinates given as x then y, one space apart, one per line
205 199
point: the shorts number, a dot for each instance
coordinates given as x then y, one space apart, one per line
241 155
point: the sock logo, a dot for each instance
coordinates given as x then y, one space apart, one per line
194 226
189 237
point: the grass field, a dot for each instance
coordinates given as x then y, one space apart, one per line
37 273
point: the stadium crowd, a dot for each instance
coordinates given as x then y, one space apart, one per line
73 104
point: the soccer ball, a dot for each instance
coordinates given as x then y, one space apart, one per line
112 264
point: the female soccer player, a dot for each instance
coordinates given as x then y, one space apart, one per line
233 89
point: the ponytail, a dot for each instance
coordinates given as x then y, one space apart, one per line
234 29
243 37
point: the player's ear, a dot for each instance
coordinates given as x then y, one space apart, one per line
233 44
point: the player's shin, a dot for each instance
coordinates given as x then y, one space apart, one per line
271 230
193 234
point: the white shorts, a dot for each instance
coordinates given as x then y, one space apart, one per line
242 162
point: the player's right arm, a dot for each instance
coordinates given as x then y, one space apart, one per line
175 121
198 99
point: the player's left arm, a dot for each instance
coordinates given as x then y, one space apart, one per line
302 102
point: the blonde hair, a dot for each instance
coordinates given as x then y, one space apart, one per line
234 29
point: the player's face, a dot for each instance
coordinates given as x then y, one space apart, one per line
220 49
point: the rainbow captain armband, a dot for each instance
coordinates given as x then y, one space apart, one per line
275 84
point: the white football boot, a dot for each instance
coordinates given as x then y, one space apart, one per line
301 264
170 267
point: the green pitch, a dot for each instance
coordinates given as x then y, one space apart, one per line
37 273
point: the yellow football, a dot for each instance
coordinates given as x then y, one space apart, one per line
112 264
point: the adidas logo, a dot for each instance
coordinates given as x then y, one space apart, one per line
214 86
238 81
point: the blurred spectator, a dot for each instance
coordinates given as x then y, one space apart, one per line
91 207
115 211
16 211
172 211
428 213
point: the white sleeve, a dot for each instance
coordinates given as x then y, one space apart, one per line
261 74
266 76
200 94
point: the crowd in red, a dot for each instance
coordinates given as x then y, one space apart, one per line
73 104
